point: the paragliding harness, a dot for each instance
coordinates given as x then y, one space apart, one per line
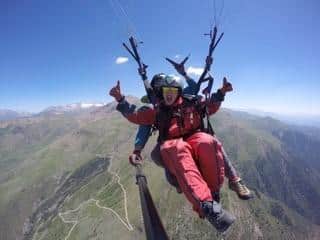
205 77
153 225
165 114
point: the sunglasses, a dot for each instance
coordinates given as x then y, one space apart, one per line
170 90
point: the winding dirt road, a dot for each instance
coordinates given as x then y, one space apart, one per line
125 221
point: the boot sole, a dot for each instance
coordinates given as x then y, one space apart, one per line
247 197
226 230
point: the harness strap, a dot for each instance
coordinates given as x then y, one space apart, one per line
165 114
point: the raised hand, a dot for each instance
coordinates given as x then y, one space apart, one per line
116 92
226 86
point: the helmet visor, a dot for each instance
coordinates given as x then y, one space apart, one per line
170 90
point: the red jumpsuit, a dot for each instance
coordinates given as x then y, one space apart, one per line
194 157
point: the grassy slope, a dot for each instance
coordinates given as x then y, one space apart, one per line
40 166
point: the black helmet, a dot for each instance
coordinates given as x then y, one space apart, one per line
162 80
157 82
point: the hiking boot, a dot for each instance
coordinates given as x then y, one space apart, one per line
217 216
242 191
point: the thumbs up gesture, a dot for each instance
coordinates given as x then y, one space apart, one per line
116 92
226 86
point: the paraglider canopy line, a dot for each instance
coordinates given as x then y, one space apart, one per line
121 13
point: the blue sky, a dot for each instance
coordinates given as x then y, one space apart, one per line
59 52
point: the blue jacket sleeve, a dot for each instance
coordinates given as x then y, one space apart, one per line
142 136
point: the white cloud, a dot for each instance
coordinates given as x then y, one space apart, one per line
177 56
194 71
121 60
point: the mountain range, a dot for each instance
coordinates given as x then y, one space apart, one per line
6 114
301 119
296 119
65 175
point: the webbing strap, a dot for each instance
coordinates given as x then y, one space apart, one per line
153 226
142 68
212 46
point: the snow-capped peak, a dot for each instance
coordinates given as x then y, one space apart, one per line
89 105
73 107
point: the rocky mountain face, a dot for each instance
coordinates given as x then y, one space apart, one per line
286 165
66 176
